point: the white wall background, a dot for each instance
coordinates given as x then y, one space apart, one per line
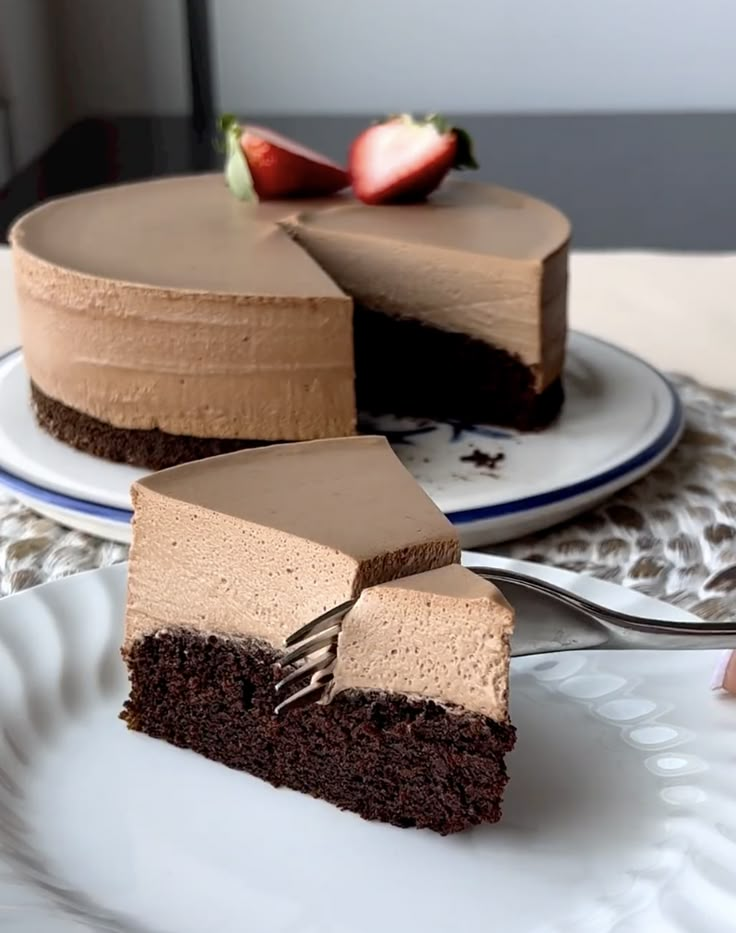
289 56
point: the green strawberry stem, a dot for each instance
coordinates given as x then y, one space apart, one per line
464 156
237 174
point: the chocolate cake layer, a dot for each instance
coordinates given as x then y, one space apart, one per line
404 367
153 449
405 761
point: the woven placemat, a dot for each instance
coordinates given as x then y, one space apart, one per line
672 535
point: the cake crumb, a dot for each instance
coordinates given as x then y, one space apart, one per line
481 459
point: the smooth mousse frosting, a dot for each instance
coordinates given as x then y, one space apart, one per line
257 543
169 304
261 541
444 634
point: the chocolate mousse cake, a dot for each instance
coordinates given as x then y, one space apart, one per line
165 321
232 555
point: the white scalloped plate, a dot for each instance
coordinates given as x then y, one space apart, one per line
620 813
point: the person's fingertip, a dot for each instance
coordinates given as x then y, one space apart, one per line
724 675
729 681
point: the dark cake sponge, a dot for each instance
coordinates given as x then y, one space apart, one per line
383 756
404 367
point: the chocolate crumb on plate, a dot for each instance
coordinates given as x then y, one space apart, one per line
480 458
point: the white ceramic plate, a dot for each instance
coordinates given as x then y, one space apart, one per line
620 814
620 419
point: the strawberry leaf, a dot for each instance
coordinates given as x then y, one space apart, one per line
237 174
227 123
464 157
439 123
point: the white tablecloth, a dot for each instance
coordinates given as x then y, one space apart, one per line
676 310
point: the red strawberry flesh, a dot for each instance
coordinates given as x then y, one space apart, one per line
405 160
289 145
283 168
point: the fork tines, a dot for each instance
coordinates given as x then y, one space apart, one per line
313 651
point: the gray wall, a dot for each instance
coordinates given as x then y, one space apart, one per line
475 55
27 80
5 153
121 56
61 60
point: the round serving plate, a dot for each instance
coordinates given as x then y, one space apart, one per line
620 419
620 813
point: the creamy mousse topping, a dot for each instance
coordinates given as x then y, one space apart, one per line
261 541
444 634
257 543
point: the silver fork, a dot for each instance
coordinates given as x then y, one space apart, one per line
577 624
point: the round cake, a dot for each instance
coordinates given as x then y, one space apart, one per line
166 321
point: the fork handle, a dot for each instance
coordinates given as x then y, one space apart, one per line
626 631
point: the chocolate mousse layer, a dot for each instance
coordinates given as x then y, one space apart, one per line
443 634
259 542
406 761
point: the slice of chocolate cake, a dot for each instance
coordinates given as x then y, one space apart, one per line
233 554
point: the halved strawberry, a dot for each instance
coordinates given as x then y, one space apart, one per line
403 159
263 164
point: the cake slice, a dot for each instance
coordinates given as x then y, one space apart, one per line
232 555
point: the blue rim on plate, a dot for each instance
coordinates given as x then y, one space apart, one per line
658 447
661 445
70 503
